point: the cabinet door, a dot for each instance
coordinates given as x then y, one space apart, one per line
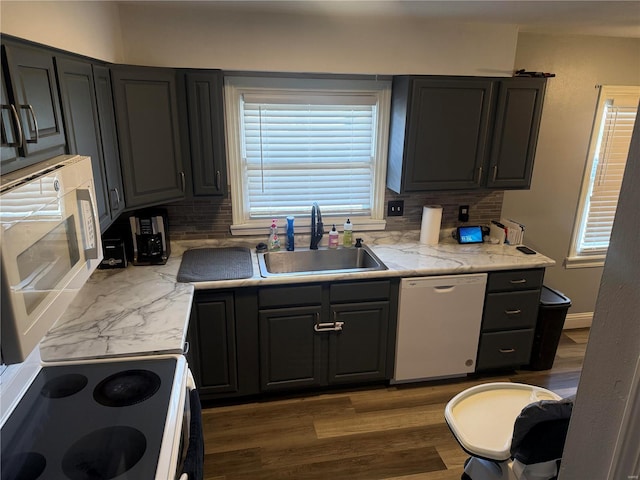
447 133
147 119
515 135
11 135
290 348
80 115
206 133
35 93
213 343
110 152
358 352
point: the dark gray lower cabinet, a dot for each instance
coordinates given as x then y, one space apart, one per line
223 343
336 334
290 349
358 352
509 318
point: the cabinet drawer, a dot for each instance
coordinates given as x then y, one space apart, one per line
290 296
360 291
505 349
515 280
510 310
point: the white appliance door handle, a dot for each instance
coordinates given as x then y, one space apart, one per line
91 250
444 289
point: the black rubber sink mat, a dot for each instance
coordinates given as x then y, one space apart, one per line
208 264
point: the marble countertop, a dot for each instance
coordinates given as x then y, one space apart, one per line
142 310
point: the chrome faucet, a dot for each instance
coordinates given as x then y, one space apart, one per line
316 226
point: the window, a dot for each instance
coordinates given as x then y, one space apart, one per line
295 141
610 139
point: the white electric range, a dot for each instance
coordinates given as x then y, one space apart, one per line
96 418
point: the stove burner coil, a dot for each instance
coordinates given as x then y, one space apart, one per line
126 388
104 454
23 466
64 385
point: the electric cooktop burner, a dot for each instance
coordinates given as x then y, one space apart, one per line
126 388
95 421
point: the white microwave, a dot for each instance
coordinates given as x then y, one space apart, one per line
49 244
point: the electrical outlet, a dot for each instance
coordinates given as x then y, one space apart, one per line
463 213
395 208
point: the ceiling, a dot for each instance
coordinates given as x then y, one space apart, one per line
608 18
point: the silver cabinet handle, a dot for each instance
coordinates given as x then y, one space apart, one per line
328 327
16 122
186 348
35 123
522 280
507 350
479 181
115 190
495 173
218 179
182 180
513 312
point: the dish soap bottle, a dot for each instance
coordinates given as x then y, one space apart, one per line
290 236
274 241
347 237
333 237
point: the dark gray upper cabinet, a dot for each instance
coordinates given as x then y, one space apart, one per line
515 134
456 133
149 135
88 114
206 132
33 92
80 113
11 133
110 152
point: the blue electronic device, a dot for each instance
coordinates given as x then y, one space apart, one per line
469 235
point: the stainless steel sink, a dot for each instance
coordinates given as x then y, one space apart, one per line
318 262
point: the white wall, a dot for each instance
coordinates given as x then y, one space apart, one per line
87 28
549 208
167 35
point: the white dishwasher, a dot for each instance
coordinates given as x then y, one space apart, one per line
439 322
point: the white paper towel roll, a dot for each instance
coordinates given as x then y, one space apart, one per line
430 229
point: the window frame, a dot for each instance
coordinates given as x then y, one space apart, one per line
594 258
239 84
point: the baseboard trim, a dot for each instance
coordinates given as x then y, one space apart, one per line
578 320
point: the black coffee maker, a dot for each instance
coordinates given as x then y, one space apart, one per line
150 235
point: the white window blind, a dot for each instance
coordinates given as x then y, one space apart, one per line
298 153
302 145
611 138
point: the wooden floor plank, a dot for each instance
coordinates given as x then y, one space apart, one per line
380 421
376 443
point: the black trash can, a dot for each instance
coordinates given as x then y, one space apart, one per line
551 315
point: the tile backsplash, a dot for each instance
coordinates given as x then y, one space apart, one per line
205 217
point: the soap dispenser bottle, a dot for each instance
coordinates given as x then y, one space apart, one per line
290 234
347 237
274 240
333 238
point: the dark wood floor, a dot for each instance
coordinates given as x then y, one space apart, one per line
390 433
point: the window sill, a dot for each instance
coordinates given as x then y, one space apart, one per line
590 261
303 225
